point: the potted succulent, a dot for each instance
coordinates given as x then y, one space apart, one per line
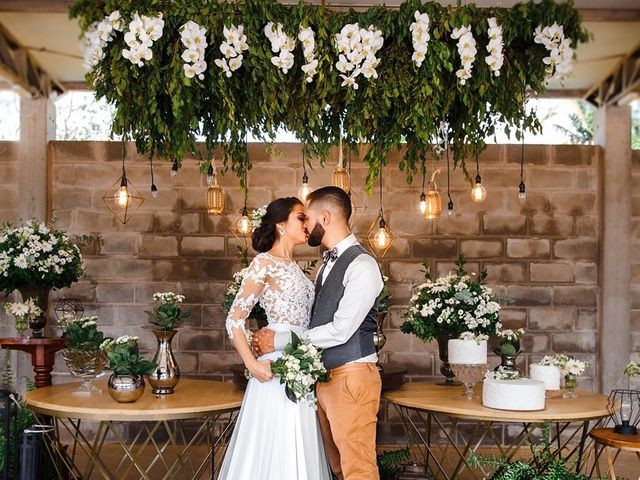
508 348
34 258
166 315
83 355
126 383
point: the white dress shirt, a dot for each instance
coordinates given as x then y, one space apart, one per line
362 284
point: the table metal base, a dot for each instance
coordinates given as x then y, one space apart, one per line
568 440
159 450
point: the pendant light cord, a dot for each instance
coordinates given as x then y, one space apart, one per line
151 165
381 208
424 172
522 155
448 175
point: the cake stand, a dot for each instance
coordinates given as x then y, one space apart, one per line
469 374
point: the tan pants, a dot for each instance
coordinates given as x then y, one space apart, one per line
347 410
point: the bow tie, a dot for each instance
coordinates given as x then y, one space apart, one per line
329 255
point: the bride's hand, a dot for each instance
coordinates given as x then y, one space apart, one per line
261 370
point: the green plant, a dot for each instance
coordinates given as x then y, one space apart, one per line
36 254
389 463
509 342
543 465
384 298
82 333
124 356
452 305
167 313
163 110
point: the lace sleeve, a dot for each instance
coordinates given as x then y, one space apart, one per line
251 289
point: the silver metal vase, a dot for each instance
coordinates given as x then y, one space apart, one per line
167 374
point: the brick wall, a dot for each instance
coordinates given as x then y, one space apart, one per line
8 210
543 255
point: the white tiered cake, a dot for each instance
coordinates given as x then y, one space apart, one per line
548 374
522 394
467 352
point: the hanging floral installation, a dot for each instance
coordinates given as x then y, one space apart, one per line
384 77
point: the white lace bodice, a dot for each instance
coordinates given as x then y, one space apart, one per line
281 287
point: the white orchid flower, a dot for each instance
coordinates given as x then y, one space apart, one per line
189 71
227 50
235 63
190 56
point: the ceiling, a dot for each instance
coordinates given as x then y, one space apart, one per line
52 39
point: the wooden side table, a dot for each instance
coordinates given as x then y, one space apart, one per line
606 439
42 352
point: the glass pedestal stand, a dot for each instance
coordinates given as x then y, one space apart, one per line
469 374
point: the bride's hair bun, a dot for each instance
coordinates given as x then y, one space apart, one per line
263 237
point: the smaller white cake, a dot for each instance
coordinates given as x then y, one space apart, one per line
521 395
468 352
549 374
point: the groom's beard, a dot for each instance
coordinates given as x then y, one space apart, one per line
316 235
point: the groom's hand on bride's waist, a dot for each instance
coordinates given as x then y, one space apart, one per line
263 341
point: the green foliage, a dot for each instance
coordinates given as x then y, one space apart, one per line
582 124
167 313
163 110
82 333
384 298
389 463
124 357
544 464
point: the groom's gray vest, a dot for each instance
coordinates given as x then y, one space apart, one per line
327 298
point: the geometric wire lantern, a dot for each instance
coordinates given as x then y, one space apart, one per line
624 408
123 198
69 307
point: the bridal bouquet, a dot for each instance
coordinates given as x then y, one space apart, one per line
299 368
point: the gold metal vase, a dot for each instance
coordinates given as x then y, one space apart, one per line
167 374
125 388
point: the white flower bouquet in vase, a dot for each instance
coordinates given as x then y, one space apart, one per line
570 369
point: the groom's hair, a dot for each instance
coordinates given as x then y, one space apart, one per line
334 197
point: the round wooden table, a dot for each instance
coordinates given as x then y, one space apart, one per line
606 438
163 430
429 411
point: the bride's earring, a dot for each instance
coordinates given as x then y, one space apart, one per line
282 231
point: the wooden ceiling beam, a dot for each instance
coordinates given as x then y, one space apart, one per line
63 6
620 85
18 67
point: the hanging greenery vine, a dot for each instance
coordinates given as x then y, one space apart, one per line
399 101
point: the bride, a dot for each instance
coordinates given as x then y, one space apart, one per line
274 438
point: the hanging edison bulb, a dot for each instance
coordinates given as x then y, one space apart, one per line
522 193
122 197
423 203
340 177
243 224
478 192
382 237
215 197
305 189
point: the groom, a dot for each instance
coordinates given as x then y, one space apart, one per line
342 323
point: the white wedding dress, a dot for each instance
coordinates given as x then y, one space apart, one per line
274 438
